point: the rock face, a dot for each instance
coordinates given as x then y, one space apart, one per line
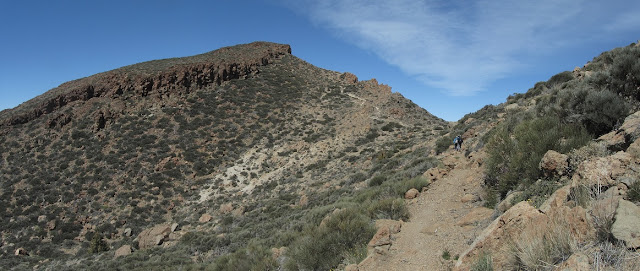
154 236
554 163
159 78
626 227
629 131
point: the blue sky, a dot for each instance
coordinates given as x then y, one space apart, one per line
449 57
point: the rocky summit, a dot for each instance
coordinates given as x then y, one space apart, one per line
249 158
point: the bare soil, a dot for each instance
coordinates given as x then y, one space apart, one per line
437 223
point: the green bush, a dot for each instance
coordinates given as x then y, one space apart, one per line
97 244
254 258
514 152
443 143
324 247
377 180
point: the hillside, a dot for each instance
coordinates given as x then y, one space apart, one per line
248 158
245 145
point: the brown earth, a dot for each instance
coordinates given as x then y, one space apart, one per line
440 221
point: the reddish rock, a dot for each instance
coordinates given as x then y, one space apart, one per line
554 163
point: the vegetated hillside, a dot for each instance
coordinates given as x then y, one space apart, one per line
565 156
237 151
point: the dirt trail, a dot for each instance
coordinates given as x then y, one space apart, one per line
436 222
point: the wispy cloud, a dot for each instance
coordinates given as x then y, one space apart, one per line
460 47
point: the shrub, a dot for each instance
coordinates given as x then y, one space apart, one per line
483 263
515 152
97 244
633 194
443 143
254 258
544 247
389 208
324 247
377 180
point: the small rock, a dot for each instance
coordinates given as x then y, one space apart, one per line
238 211
174 227
127 232
469 198
21 252
123 251
304 200
204 218
226 208
51 225
411 194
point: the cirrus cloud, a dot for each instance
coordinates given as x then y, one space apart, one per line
461 47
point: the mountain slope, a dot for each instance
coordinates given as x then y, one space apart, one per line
250 136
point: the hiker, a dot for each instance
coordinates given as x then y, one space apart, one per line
457 142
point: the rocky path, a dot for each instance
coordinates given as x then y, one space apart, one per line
446 217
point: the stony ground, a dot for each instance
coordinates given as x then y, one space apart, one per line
446 217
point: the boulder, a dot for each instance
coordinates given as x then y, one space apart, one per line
411 193
626 227
499 234
127 232
557 199
554 163
153 236
627 133
382 240
204 218
603 171
123 251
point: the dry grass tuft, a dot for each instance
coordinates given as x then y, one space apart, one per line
543 247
